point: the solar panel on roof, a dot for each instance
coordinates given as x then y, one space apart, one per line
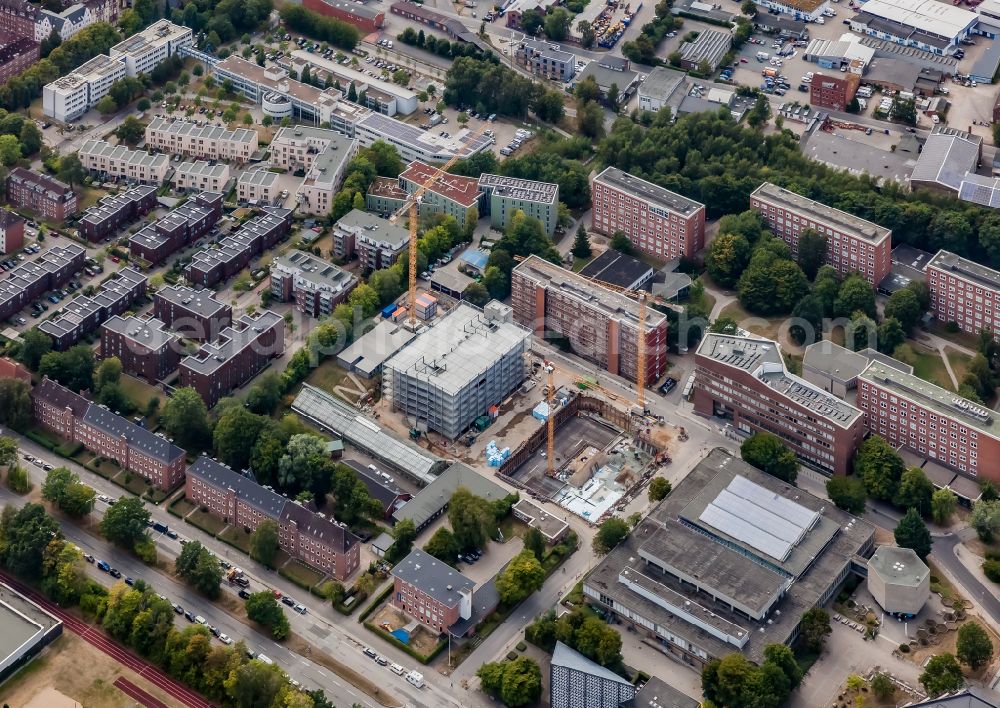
777 504
740 529
762 518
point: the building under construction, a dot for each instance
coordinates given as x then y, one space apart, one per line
600 324
456 370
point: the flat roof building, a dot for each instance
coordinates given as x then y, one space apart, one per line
433 500
551 527
453 372
25 629
257 187
377 242
710 47
853 244
314 285
367 353
743 379
502 196
209 142
412 143
930 421
365 18
119 162
964 292
929 25
392 99
234 252
194 314
69 97
84 314
617 269
660 87
898 580
145 49
661 223
145 347
601 324
546 59
201 176
183 225
728 562
835 369
323 154
11 231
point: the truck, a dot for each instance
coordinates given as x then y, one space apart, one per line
769 72
417 679
435 119
235 575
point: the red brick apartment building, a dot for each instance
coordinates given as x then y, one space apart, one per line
73 417
145 347
964 292
18 17
432 592
744 379
600 324
240 353
657 221
44 195
16 55
11 231
833 92
302 533
194 314
361 16
853 244
930 421
111 213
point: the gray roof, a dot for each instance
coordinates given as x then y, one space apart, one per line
332 414
947 157
435 496
201 302
372 227
368 352
653 194
565 657
966 269
985 67
378 489
605 77
149 332
822 213
137 436
437 579
971 697
656 693
232 341
618 269
261 177
981 190
191 129
842 364
889 70
519 188
898 566
661 83
220 476
313 273
710 45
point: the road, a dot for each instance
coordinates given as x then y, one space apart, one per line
111 648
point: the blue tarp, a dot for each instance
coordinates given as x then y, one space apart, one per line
402 635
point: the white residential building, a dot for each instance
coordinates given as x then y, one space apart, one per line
118 161
258 186
323 154
144 50
71 96
201 176
209 142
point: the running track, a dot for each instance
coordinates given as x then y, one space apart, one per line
137 694
124 657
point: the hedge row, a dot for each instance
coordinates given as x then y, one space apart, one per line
376 602
423 659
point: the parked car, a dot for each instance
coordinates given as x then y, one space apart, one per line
189 615
225 639
103 566
668 385
87 557
369 652
115 573
244 594
286 600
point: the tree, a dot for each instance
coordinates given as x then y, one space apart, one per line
8 451
125 522
404 533
758 115
581 244
535 542
472 519
587 34
200 569
17 479
185 418
31 139
609 534
73 368
812 252
942 674
772 287
879 467
476 294
264 542
985 519
25 533
522 576
63 488
815 626
905 307
767 453
659 488
890 335
265 394
882 686
131 131
444 546
264 609
848 493
235 434
596 640
943 505
109 372
855 294
973 645
516 683
590 120
71 170
105 106
911 532
302 461
621 243
34 345
915 491
727 257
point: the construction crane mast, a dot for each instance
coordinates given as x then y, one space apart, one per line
550 424
412 209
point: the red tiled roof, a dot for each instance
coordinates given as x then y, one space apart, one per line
463 190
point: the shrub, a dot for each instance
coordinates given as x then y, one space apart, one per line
992 570
905 648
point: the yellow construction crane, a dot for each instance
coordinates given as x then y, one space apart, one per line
550 423
412 207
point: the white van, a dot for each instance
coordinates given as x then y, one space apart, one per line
416 679
265 659
397 669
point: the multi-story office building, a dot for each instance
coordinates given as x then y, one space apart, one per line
930 421
575 681
315 286
853 244
201 176
182 226
69 97
105 161
965 293
376 241
659 222
135 449
257 187
452 373
546 59
384 96
44 195
412 143
105 218
502 196
322 154
833 92
145 49
11 231
744 379
601 325
51 270
208 142
144 346
84 314
453 195
240 353
16 55
234 253
193 314
303 534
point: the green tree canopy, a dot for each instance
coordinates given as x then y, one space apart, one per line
974 646
522 576
879 466
609 534
200 569
848 493
125 522
727 257
472 519
264 542
915 491
767 453
444 546
659 488
941 674
911 532
264 609
185 419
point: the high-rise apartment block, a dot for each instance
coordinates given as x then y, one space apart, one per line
502 196
853 244
376 241
145 347
314 285
601 325
965 293
744 379
659 222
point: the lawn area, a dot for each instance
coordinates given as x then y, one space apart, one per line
236 537
106 468
930 366
764 326
511 527
580 263
182 507
334 379
301 574
88 196
139 392
969 341
132 482
959 362
207 522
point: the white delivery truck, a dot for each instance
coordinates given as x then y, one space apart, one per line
417 679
